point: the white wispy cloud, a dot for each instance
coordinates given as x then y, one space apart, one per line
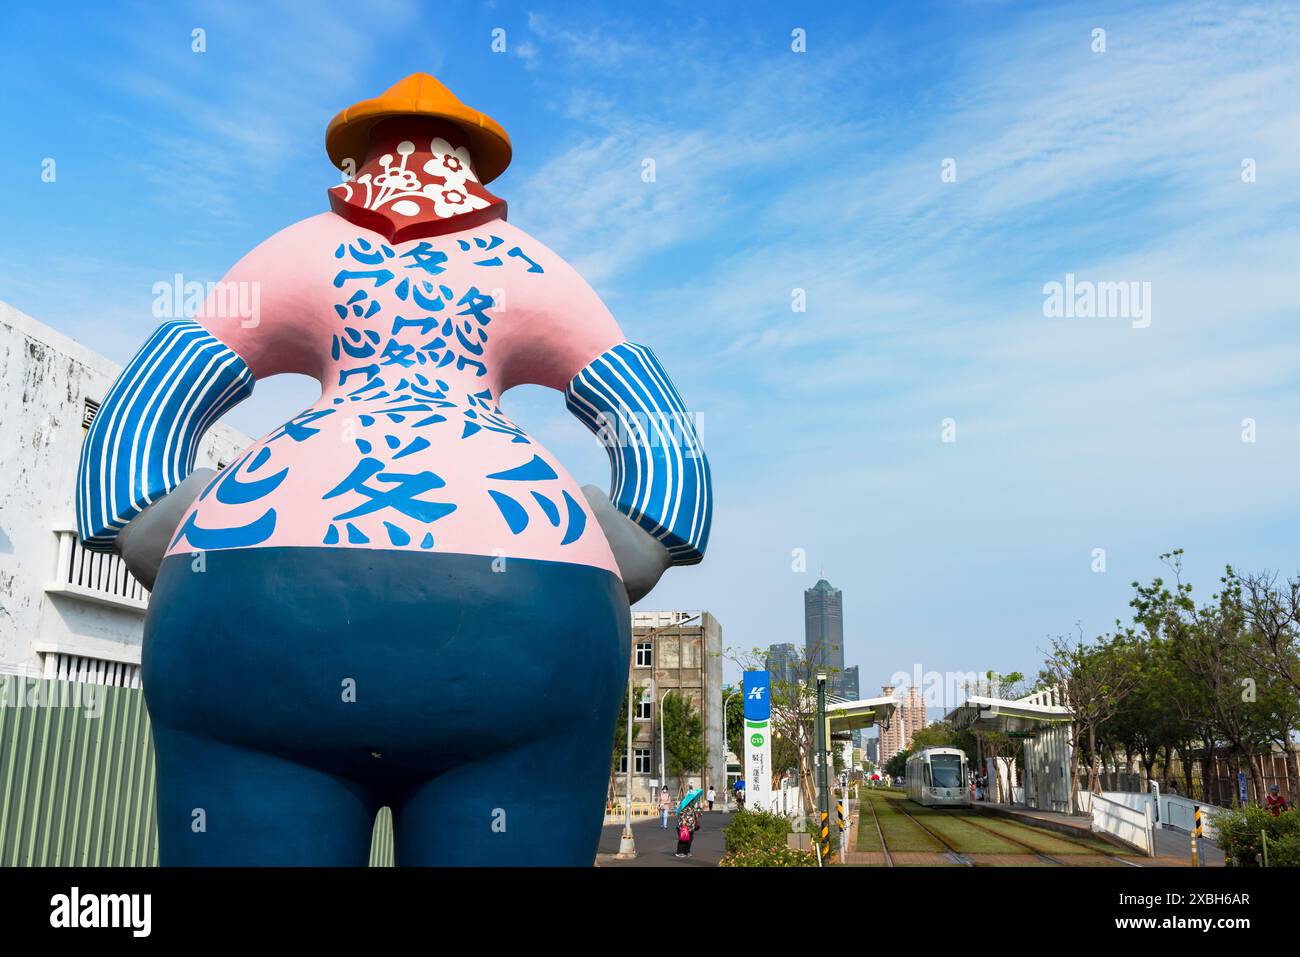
925 301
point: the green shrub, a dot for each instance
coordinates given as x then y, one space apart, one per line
769 857
755 831
1239 832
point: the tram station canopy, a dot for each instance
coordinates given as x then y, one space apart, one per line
1021 717
851 715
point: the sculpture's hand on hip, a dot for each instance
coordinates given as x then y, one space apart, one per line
641 558
144 541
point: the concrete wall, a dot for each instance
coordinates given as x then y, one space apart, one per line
45 378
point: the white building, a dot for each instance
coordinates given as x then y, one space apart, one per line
64 612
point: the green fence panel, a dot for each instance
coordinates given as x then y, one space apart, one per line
77 778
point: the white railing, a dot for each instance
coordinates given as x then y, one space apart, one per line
95 576
88 670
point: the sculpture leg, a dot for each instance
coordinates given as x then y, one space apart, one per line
541 803
223 805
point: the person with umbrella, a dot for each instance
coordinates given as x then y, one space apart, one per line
688 822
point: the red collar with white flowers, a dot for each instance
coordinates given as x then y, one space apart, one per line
413 186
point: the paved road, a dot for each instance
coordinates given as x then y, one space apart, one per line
655 846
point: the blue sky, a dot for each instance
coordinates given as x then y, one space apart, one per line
779 171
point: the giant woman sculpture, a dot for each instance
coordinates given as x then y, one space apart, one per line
397 597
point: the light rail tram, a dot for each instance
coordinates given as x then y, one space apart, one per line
938 777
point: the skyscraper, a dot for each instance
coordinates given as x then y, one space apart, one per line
849 683
823 615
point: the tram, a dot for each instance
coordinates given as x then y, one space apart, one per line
938 777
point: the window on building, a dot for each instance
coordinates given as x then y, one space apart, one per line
641 760
644 707
644 654
88 410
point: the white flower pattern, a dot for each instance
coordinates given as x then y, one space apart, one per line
403 187
451 164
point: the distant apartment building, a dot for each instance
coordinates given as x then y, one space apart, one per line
912 715
781 663
908 719
65 612
672 651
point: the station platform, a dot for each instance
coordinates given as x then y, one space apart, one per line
1173 847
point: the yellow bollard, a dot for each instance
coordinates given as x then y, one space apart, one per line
1196 836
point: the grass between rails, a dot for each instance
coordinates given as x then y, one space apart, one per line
868 838
1046 841
902 834
954 827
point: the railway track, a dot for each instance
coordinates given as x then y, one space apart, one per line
955 854
971 817
889 860
1011 840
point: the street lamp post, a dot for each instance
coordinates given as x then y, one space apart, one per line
823 750
663 746
627 843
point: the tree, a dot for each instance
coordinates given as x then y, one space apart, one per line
683 736
735 720
1272 610
1213 644
896 767
620 736
1094 681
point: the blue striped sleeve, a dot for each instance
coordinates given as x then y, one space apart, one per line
661 477
144 438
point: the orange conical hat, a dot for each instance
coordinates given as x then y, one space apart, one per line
420 95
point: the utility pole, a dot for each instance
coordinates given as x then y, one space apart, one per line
626 842
823 776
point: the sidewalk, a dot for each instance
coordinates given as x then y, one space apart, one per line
655 846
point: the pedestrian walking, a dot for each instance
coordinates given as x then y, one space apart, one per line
711 797
665 803
684 837
687 825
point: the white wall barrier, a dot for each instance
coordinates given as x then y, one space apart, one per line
1179 812
1133 822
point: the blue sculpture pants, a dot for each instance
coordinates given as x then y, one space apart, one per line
295 691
